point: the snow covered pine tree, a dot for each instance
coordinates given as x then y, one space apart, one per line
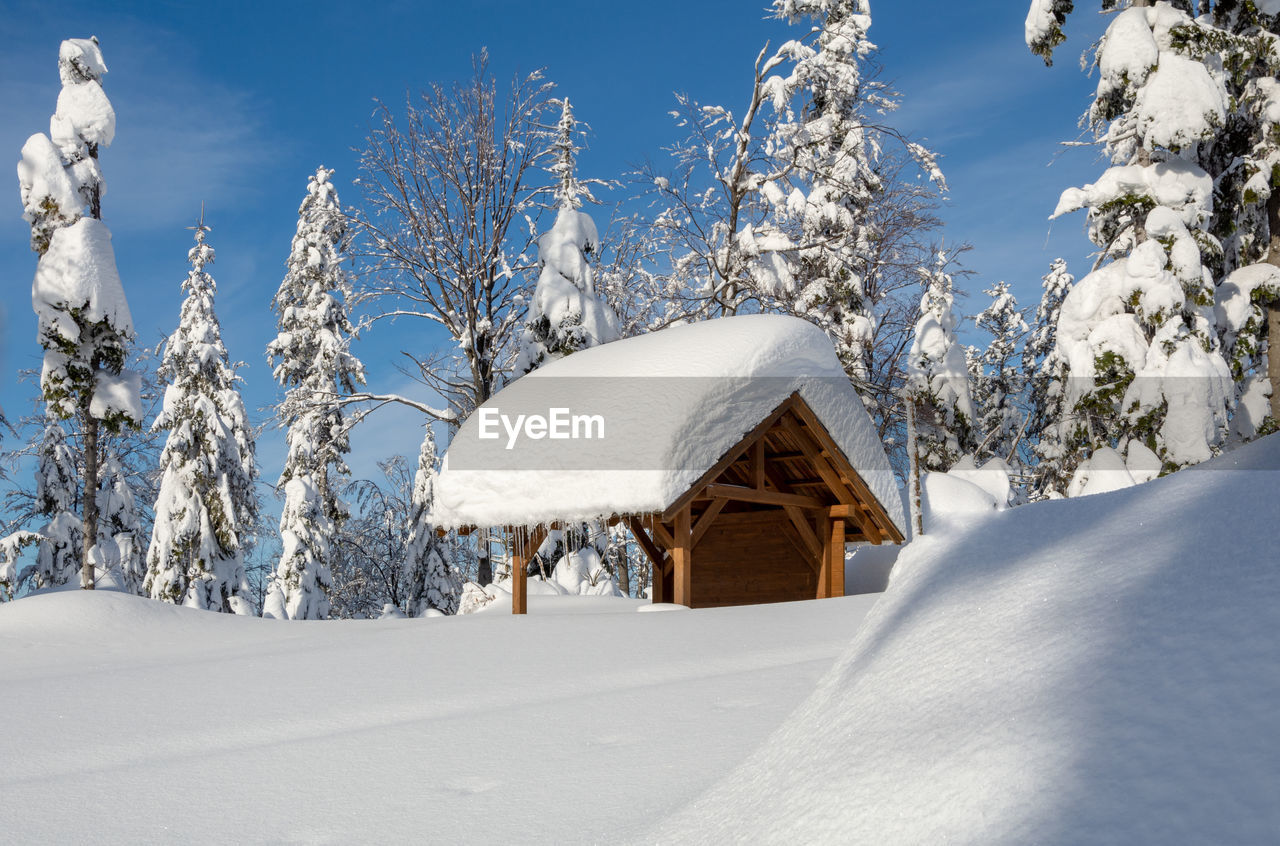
1046 375
428 576
83 316
206 497
937 382
314 363
120 535
999 387
566 313
1186 108
62 538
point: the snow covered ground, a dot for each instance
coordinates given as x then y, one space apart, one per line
1096 670
128 720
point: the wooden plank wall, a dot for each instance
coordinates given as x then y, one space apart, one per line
738 564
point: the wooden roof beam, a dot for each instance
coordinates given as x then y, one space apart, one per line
807 535
707 518
730 457
813 453
763 497
875 511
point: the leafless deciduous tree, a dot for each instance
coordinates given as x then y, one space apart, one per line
446 189
709 203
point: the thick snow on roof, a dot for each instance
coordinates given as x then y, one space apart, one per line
1095 670
672 403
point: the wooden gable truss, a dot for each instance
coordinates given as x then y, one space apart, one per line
768 522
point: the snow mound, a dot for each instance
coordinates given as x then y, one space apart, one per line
1099 670
671 403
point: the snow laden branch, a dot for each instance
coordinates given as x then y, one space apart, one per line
1160 348
446 186
328 399
711 198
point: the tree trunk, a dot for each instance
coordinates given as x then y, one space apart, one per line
88 579
1273 307
1273 357
90 499
621 565
913 471
484 572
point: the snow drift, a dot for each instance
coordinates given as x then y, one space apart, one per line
1100 670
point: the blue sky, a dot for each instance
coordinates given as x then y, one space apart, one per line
234 104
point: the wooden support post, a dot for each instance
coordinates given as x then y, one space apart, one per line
681 555
826 556
837 557
519 565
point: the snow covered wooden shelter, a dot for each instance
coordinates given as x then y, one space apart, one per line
736 451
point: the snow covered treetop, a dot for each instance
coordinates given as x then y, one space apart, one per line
80 60
320 191
84 114
627 427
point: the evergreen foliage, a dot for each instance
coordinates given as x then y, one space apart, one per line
566 312
120 532
1046 375
429 578
206 504
314 364
1001 382
83 320
937 376
59 554
1186 108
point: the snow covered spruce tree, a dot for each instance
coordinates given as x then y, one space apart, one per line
937 383
999 388
83 316
121 539
1046 374
807 201
62 538
1244 160
206 500
566 312
314 363
429 581
1182 110
828 142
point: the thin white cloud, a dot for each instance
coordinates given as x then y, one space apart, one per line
179 134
